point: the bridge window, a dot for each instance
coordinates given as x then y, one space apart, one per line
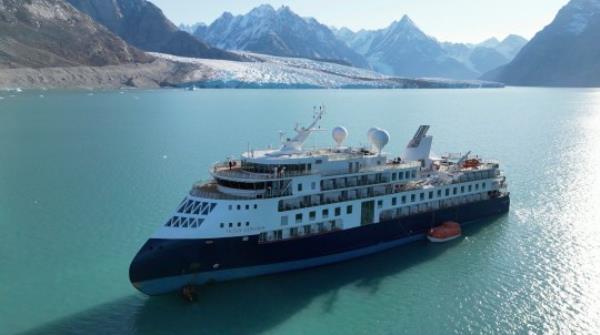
312 215
300 187
338 211
431 195
439 193
447 192
394 201
298 217
325 213
413 197
403 199
349 209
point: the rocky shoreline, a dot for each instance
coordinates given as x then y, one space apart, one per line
159 73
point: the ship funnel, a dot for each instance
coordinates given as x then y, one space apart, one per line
419 147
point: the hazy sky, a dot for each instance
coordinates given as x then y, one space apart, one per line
447 20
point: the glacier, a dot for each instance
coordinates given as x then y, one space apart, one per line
266 71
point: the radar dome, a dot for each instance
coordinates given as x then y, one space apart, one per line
370 134
380 139
339 135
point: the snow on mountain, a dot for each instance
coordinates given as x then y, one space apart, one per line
266 71
402 49
279 32
192 28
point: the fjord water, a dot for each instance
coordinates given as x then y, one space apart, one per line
86 178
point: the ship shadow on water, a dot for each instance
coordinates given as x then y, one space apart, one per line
252 305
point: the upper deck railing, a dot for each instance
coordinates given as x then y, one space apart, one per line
235 171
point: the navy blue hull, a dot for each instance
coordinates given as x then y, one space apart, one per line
162 266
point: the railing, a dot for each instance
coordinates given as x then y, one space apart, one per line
223 170
370 192
210 191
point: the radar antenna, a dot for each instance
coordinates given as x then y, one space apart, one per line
295 144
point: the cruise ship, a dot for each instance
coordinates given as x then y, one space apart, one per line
294 207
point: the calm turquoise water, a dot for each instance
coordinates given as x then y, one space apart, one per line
85 179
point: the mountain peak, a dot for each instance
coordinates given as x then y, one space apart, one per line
262 10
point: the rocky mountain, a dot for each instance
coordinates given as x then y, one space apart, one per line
487 55
51 33
191 28
278 32
564 53
473 59
402 49
144 25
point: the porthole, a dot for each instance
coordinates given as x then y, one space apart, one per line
247 223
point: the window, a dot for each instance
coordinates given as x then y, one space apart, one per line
255 206
284 220
422 196
439 193
447 192
403 199
400 175
230 224
239 207
431 195
470 188
312 215
299 187
394 201
349 209
476 186
262 237
462 189
455 190
294 232
247 207
318 161
379 203
413 173
222 225
313 185
230 207
483 185
394 176
307 230
239 224
325 213
413 197
247 223
407 175
338 211
278 234
298 217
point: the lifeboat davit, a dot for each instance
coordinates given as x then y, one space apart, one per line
445 232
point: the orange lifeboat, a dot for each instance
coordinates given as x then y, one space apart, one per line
471 163
445 232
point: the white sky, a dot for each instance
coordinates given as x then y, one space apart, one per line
447 20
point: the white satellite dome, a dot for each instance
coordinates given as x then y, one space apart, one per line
339 135
370 134
380 138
